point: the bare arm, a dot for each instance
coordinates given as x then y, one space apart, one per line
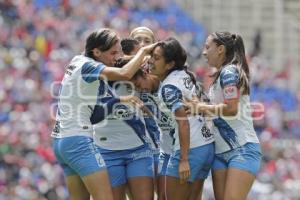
127 72
229 108
184 138
184 132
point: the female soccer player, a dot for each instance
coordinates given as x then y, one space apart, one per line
148 84
238 153
193 148
73 145
143 35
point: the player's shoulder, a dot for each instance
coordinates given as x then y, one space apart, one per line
176 78
229 70
229 75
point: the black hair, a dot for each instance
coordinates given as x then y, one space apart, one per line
128 45
123 61
234 54
103 39
173 51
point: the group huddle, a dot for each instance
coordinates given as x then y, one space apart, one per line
133 121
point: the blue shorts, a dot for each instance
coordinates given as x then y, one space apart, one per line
124 164
78 155
163 163
200 160
156 161
247 157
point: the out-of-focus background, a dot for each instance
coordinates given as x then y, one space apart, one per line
38 37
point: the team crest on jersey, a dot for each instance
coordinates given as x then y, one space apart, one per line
188 83
171 94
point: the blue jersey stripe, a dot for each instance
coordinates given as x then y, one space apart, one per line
229 76
90 71
226 132
152 129
105 105
108 103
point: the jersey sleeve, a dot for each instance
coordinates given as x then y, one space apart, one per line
172 97
90 71
229 79
101 111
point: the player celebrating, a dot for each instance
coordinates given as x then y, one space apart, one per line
143 35
193 148
238 153
73 144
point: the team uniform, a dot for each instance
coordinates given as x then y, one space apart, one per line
173 89
164 137
122 137
73 131
236 142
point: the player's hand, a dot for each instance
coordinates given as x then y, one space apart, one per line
149 48
184 171
133 100
193 106
145 66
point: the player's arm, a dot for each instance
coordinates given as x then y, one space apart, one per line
184 132
229 84
101 111
173 98
128 70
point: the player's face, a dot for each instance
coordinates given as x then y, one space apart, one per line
211 52
157 63
110 56
144 38
144 83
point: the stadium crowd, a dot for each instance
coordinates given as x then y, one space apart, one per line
38 37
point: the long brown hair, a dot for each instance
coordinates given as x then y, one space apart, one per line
173 51
234 54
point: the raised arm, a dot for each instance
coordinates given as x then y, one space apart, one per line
127 72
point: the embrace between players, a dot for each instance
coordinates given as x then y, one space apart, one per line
142 124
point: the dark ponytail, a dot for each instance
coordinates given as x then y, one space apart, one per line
234 54
241 61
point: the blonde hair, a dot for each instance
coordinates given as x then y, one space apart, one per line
142 29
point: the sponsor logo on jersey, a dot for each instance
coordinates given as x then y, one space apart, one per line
206 133
230 92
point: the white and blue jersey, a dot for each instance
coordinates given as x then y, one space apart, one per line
123 126
164 121
78 96
73 143
231 132
173 89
